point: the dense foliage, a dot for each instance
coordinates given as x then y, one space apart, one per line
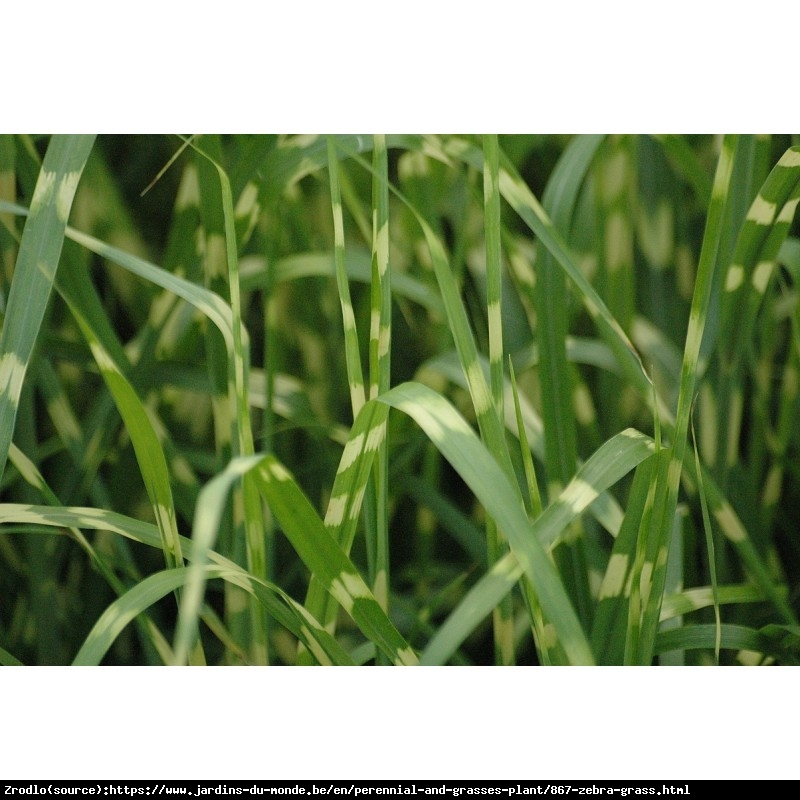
437 399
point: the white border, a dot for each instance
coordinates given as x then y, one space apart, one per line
472 723
320 67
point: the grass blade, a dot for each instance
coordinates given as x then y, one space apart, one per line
37 262
669 479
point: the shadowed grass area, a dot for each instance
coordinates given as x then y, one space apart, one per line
399 399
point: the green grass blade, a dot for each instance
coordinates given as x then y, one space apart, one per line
551 334
503 613
700 637
768 642
37 262
326 560
709 535
240 362
615 178
534 497
156 586
352 351
610 627
358 267
669 478
205 301
380 370
208 516
494 295
685 160
689 600
349 488
124 610
7 660
472 610
146 443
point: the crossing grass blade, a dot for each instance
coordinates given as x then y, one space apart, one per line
459 445
279 604
324 648
605 509
349 489
455 440
33 476
614 459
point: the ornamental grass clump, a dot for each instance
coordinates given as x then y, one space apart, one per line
399 400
